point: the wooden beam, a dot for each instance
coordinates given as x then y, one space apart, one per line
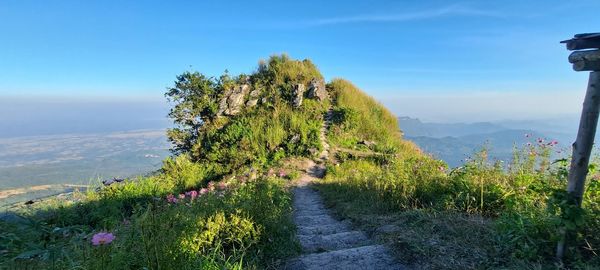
581 44
585 60
583 41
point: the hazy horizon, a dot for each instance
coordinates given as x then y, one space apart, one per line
489 62
35 116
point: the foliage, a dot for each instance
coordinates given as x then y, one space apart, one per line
241 221
358 117
525 201
196 99
247 225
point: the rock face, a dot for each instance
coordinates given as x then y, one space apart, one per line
298 95
316 90
233 100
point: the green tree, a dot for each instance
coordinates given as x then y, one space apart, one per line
196 101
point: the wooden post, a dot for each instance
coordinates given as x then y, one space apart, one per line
582 148
588 60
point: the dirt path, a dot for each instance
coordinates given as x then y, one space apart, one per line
328 243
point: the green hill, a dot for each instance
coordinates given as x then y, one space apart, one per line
223 200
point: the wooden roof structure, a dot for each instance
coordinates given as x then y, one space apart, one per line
583 41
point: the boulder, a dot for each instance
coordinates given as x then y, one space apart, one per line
298 95
253 98
223 102
252 103
317 90
233 100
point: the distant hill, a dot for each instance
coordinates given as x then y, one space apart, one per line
414 127
456 142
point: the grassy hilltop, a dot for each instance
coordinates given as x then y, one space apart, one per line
223 200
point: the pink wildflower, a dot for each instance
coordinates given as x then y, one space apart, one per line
193 194
203 191
221 186
171 198
211 186
281 173
102 238
181 196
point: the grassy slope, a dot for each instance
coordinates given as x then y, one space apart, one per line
474 217
242 222
478 216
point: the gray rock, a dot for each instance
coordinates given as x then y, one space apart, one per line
233 100
255 93
223 102
253 98
252 103
316 90
298 95
295 138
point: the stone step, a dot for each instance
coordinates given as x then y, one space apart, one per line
374 257
315 220
309 206
329 242
311 212
324 229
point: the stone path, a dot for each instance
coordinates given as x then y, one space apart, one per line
328 243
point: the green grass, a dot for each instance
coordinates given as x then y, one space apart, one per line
248 225
244 223
481 215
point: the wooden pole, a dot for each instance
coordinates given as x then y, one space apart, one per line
582 148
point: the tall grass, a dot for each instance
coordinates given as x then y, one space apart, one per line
358 117
241 220
524 202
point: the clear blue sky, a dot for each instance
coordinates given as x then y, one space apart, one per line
415 56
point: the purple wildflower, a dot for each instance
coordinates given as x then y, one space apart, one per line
192 194
171 198
102 238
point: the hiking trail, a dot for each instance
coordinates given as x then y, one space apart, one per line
328 243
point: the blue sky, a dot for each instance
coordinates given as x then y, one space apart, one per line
438 60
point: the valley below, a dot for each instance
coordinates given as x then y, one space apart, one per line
39 166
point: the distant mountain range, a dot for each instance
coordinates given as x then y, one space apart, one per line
456 142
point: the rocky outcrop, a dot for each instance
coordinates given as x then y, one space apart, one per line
298 95
316 90
233 100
